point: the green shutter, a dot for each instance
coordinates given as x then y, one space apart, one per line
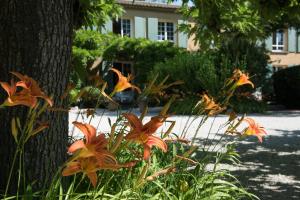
152 28
139 27
182 37
108 27
292 40
268 43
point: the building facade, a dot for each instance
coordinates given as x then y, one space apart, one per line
284 47
156 20
152 19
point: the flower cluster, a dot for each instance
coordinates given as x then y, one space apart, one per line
28 94
95 151
90 155
143 134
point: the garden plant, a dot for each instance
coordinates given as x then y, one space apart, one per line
138 158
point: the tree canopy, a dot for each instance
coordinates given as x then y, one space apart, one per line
216 21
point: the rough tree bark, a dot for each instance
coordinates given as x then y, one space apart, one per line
35 39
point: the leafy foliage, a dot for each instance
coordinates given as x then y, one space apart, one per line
94 13
250 56
217 21
206 71
90 45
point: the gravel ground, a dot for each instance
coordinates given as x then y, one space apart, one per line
270 170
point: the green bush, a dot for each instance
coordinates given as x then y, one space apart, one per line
287 86
196 70
247 56
184 106
248 105
142 52
89 45
207 71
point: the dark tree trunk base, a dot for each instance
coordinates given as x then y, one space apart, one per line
35 39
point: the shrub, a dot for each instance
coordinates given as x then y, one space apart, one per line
184 106
196 70
248 105
142 52
89 45
287 86
207 71
248 56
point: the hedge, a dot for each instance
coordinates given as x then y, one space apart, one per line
89 45
287 86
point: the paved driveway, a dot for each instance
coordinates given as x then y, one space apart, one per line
271 170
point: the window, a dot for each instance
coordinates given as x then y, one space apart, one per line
157 1
122 27
278 41
166 31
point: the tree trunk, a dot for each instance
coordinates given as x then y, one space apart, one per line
35 39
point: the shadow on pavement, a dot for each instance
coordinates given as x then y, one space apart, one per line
272 169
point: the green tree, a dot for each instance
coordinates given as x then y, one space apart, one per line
219 20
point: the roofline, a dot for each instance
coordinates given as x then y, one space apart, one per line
148 6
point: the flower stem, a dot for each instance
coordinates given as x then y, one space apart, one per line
10 173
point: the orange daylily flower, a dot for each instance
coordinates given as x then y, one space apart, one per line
210 106
16 98
143 133
123 82
254 129
31 87
88 166
242 78
91 155
93 146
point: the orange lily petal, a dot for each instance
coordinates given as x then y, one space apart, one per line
155 141
88 131
147 151
48 99
151 126
243 80
10 89
93 178
100 142
133 120
79 144
21 100
123 82
254 129
71 168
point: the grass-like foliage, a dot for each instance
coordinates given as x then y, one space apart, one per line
139 158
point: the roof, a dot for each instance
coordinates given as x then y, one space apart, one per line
148 5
